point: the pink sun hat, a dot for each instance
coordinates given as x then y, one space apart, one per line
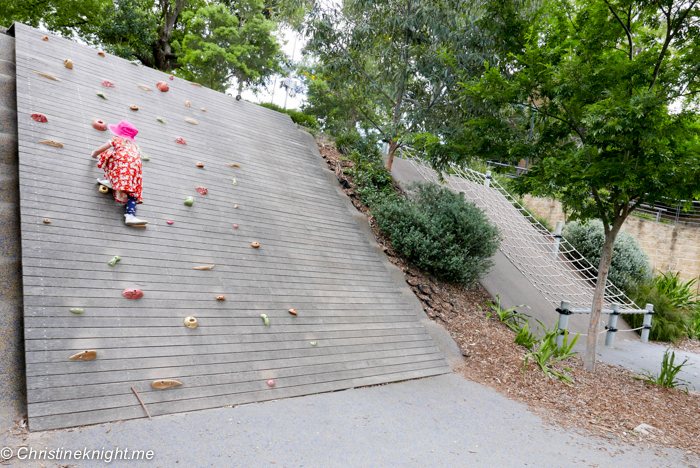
124 130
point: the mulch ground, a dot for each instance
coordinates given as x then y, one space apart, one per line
609 403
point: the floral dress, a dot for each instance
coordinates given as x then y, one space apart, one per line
122 166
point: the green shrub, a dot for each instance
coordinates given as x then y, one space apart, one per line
629 265
372 178
440 232
676 307
667 377
298 117
347 142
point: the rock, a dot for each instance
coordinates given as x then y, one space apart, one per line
646 429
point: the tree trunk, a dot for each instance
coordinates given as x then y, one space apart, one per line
393 146
162 52
597 306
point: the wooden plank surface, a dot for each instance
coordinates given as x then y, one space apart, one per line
314 256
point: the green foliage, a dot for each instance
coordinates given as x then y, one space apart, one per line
61 16
373 180
298 117
440 232
396 61
629 266
676 307
546 353
525 337
510 316
128 29
225 42
667 377
348 141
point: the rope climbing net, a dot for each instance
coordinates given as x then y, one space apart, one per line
556 269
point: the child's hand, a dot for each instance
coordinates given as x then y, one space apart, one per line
100 150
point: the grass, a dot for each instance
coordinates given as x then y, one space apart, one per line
667 378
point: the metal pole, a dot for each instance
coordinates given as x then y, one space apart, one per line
563 323
557 239
487 180
612 326
647 323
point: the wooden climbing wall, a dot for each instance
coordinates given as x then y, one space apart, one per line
314 256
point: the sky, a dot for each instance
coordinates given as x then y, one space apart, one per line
292 43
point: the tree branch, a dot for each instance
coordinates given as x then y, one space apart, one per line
627 31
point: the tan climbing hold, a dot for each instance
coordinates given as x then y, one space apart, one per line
200 164
85 355
45 38
101 54
192 121
220 298
255 245
292 311
47 221
205 267
68 63
52 143
191 322
234 165
51 77
134 107
187 103
163 384
138 226
196 84
103 189
235 206
203 109
145 88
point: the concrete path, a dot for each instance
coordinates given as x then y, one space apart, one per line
438 421
506 281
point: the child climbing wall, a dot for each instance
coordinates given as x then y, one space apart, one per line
120 158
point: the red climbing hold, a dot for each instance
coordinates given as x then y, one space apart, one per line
163 86
201 190
271 383
172 77
235 226
100 125
180 140
132 293
39 117
169 222
107 84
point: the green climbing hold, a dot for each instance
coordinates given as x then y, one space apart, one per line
189 201
313 343
133 62
145 158
160 120
235 182
102 96
114 260
265 319
77 311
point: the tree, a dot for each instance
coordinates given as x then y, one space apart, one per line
612 88
405 52
222 44
62 16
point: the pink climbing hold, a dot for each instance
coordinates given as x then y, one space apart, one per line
132 293
169 222
271 383
180 140
172 77
107 84
201 190
163 86
235 226
39 118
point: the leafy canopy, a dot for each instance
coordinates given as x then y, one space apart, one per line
225 42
